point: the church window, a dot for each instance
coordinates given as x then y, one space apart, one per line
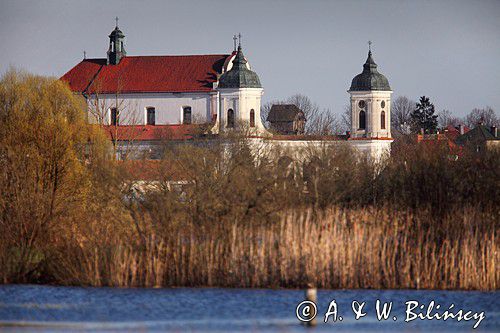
362 120
186 115
382 120
252 118
114 117
230 118
382 104
150 116
362 104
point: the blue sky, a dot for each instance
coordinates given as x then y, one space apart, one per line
447 50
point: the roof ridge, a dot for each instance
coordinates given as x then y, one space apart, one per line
92 80
165 55
179 55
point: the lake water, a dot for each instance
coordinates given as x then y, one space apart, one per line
28 308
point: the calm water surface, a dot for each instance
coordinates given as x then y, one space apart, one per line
27 308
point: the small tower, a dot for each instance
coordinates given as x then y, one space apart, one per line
240 93
116 50
370 102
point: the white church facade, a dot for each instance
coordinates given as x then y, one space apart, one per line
151 98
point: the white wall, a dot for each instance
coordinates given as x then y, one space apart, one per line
168 107
373 111
299 150
241 100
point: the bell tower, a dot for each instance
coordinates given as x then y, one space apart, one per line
370 102
116 50
240 93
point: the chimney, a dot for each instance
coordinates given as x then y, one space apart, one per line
461 129
494 131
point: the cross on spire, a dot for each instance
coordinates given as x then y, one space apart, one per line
234 41
239 39
116 19
84 54
370 45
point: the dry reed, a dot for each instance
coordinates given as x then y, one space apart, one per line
339 248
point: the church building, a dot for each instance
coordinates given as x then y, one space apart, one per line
147 99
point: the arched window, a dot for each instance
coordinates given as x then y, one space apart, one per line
230 118
186 115
362 119
150 116
113 117
252 118
382 120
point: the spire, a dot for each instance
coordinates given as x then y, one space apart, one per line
370 78
370 64
116 50
239 60
239 76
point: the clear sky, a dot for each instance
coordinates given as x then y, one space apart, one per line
448 50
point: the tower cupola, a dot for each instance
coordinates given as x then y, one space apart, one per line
239 93
370 78
116 50
239 76
370 102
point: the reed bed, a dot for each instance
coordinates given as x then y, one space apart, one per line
339 248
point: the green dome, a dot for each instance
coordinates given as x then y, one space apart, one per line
239 76
370 78
117 33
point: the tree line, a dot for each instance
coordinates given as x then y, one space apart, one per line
407 116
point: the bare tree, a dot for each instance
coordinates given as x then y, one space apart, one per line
265 109
305 104
345 120
324 122
484 116
446 118
401 109
124 132
319 121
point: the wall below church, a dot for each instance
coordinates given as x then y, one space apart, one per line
301 150
168 107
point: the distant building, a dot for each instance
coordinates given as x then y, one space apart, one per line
480 139
144 101
287 119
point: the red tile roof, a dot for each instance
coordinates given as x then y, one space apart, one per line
152 132
453 133
135 74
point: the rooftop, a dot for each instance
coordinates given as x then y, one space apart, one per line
137 74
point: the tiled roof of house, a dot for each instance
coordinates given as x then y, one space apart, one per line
136 74
153 132
452 133
480 133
